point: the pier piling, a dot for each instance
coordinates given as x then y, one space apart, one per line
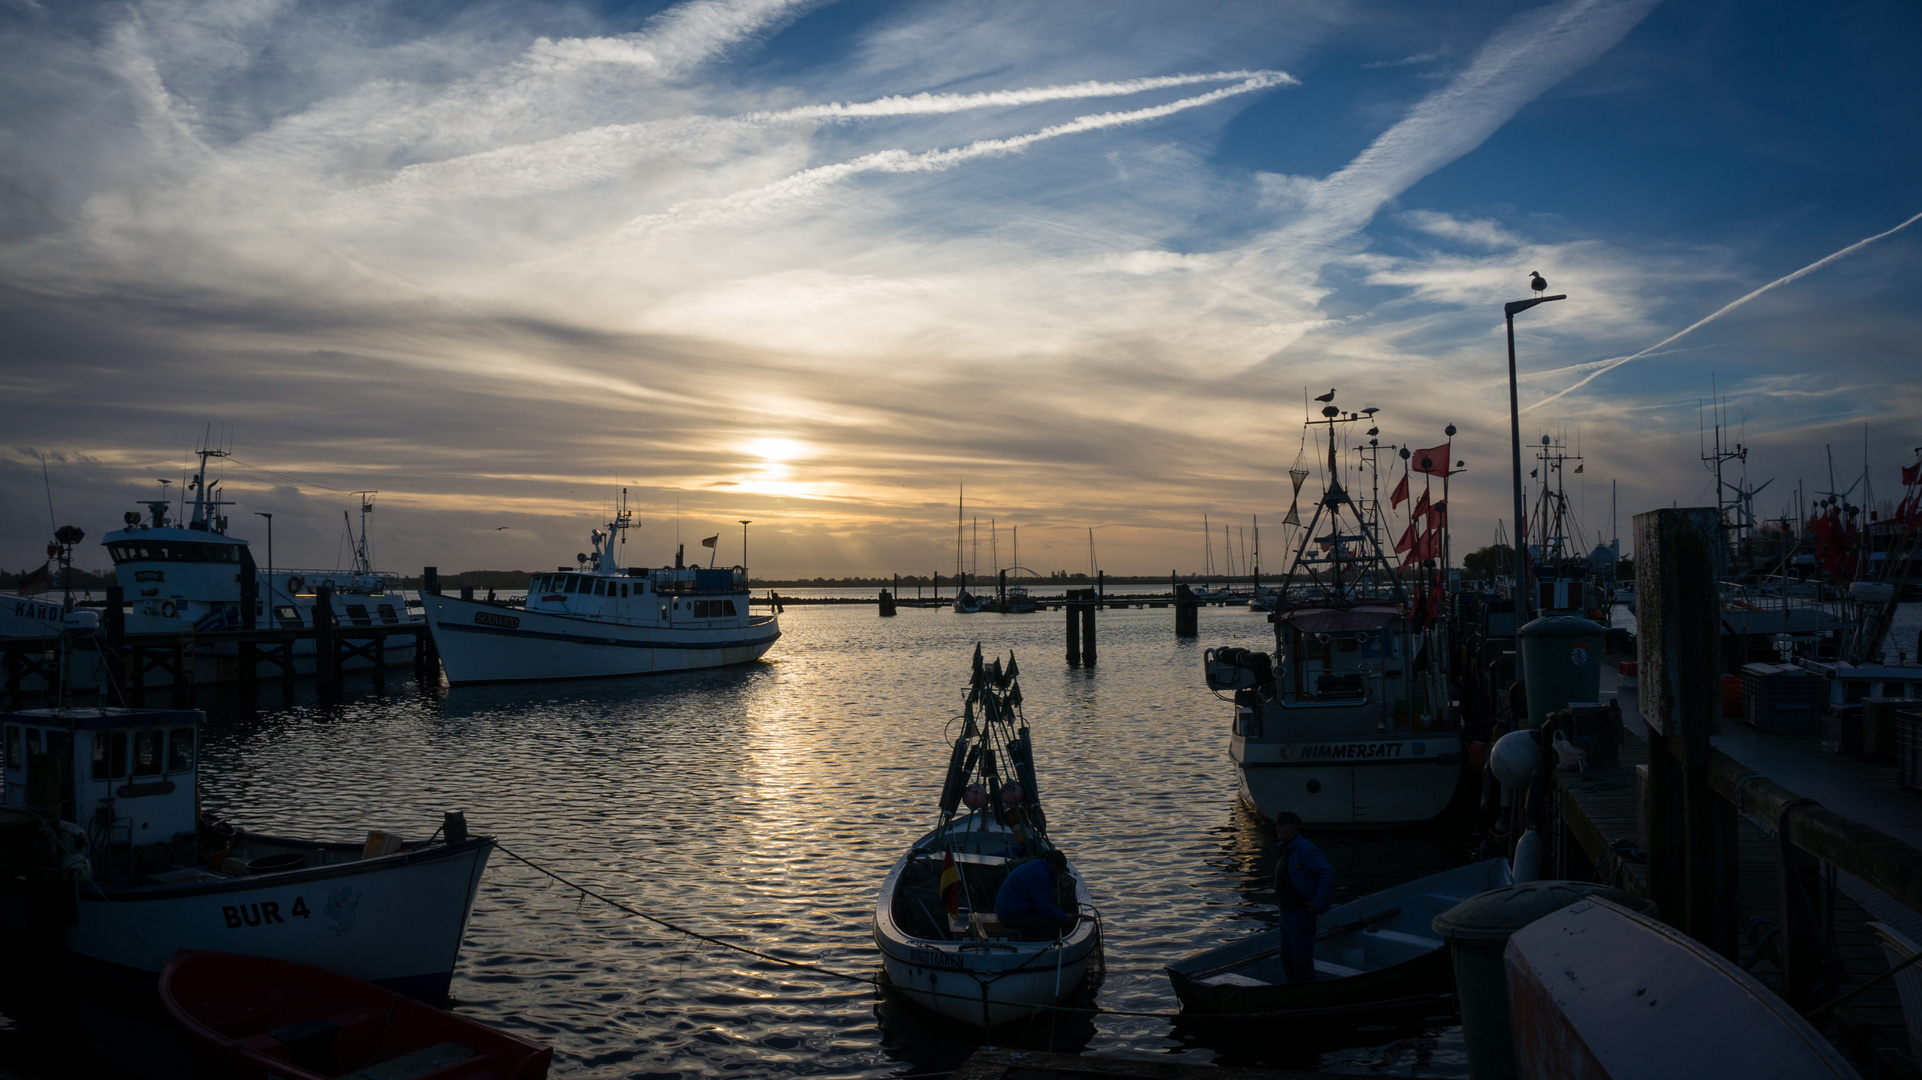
1088 609
326 658
1074 631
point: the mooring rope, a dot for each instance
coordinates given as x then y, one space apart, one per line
870 980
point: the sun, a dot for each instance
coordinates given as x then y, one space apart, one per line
776 451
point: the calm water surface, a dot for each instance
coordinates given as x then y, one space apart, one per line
764 804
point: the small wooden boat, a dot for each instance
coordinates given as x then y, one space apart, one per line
1599 991
265 1017
1378 953
940 942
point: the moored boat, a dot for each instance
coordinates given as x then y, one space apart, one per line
274 1018
123 872
601 620
941 943
1373 954
1598 991
1350 720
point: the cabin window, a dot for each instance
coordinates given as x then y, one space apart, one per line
730 607
1346 643
109 755
14 758
623 590
146 752
387 613
358 613
600 588
573 584
180 750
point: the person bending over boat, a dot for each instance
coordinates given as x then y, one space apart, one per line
1304 884
1026 900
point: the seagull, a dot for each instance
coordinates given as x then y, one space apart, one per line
1537 282
1329 396
502 528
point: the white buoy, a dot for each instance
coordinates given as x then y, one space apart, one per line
1528 857
1513 758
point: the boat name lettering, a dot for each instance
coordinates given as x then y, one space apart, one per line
934 958
150 575
264 913
27 609
1350 750
488 618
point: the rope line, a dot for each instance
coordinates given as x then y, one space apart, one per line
877 983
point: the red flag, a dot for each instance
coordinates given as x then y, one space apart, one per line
1433 461
1422 507
950 885
1431 547
35 583
1912 473
1401 493
711 541
1438 516
1407 539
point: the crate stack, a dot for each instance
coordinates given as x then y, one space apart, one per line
1783 698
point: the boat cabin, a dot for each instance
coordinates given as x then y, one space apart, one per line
667 596
125 776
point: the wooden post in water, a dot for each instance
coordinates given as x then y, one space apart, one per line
1187 622
1691 858
182 659
249 600
113 628
326 660
1087 628
430 580
1074 630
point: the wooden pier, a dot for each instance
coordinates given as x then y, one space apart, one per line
1763 873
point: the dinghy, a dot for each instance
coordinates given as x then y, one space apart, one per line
274 1018
940 941
1375 954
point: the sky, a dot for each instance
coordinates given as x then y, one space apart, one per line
820 265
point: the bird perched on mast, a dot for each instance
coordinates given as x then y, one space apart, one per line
1537 282
1329 396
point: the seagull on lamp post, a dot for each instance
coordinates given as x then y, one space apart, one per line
1537 282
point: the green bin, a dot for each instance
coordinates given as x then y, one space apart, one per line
1561 662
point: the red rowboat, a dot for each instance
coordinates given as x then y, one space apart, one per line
267 1017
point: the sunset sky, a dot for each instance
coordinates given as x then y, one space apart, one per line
818 264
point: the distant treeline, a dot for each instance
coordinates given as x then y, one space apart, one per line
517 579
82 579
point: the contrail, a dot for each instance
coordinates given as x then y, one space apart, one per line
922 104
804 183
1611 365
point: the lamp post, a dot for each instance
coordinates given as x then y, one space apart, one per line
1509 311
744 525
270 553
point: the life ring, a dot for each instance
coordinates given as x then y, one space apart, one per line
167 609
296 583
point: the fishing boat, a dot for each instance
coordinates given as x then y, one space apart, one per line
123 872
262 1018
1599 991
1349 721
183 572
600 619
1378 953
941 944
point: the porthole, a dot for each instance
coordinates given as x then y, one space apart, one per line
1314 787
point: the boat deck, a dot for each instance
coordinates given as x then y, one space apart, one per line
1600 812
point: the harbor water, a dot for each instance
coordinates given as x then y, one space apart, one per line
763 805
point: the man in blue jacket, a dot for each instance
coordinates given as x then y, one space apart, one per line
1026 900
1304 884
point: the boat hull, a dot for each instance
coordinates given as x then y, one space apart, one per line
1371 780
396 921
981 983
1391 931
483 643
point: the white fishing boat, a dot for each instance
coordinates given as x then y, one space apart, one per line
1349 721
600 620
941 944
183 572
122 871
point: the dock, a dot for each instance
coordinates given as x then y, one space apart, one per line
1772 850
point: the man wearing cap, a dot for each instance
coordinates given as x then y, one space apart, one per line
1026 900
1304 884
